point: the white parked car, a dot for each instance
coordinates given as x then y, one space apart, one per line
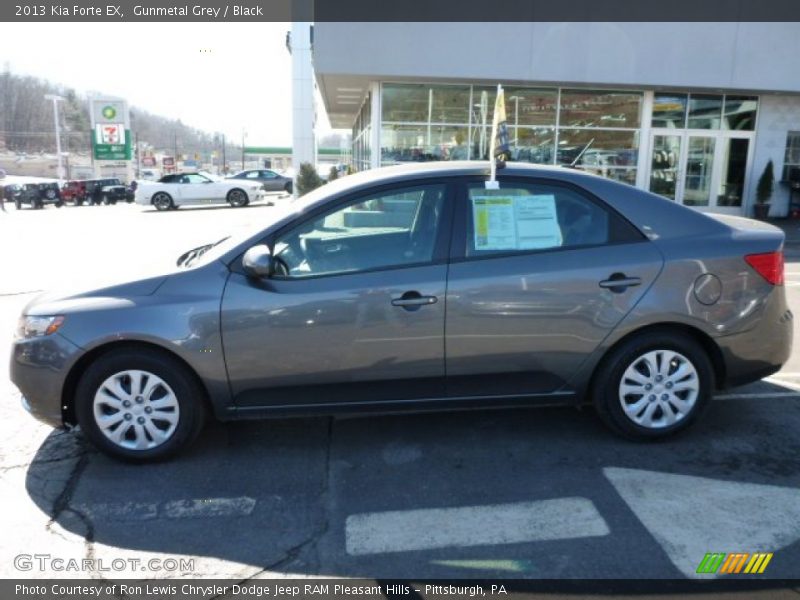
195 189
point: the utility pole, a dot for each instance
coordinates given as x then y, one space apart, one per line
138 154
224 165
244 135
56 99
175 142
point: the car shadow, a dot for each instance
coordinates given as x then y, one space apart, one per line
277 494
260 204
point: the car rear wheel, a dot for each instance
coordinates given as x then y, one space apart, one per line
288 188
162 201
139 405
653 385
17 204
237 198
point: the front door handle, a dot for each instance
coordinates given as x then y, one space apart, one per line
619 282
413 300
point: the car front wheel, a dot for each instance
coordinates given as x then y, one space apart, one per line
653 385
139 405
162 201
237 198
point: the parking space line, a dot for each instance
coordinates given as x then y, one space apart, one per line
764 395
690 516
426 529
205 508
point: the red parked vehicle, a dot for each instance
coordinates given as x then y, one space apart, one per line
74 191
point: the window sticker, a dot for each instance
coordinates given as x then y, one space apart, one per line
515 222
494 223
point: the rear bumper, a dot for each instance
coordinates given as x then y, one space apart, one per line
39 369
763 350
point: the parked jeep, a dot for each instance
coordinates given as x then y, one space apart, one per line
39 194
107 191
74 191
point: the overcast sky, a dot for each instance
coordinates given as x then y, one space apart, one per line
242 79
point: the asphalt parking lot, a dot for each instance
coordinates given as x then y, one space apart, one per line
546 493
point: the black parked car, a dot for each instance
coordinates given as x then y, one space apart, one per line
273 182
107 191
11 192
39 194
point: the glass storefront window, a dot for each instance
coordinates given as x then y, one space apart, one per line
530 106
598 147
740 113
403 103
532 144
421 143
705 111
612 154
669 110
584 108
791 160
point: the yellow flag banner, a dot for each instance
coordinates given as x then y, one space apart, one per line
501 148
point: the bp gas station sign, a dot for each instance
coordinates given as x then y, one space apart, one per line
111 138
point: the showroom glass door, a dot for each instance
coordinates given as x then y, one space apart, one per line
665 163
700 169
733 158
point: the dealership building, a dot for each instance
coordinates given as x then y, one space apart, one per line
692 111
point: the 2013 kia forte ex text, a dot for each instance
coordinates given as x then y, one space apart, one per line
417 288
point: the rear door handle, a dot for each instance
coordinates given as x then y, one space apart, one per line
619 282
413 300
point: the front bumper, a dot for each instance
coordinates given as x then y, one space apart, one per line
39 368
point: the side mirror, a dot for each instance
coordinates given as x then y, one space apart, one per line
257 262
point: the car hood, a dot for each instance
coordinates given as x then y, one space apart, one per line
106 296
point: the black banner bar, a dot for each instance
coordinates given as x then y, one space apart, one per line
363 589
405 10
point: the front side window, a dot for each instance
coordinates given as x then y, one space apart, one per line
387 229
194 178
524 217
268 175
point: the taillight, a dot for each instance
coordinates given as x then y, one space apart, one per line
769 265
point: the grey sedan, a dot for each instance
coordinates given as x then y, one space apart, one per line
272 181
421 288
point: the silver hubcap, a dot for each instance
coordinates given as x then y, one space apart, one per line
659 389
161 201
136 410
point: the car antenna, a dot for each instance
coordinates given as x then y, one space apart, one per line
577 158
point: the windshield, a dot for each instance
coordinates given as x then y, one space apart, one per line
227 241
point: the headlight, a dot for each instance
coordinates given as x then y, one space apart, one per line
31 327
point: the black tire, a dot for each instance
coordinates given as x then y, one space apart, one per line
17 204
608 400
288 187
59 204
78 202
237 198
163 201
190 397
105 200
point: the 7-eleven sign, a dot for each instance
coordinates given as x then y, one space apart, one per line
111 133
111 142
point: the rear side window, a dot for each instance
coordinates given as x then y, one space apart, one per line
527 217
